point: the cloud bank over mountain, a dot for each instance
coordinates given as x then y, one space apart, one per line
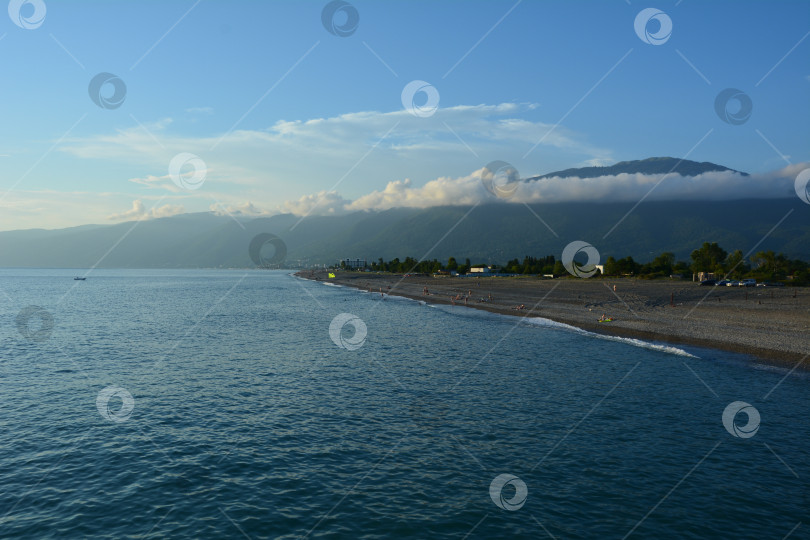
139 211
470 190
362 161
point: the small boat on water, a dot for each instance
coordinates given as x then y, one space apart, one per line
77 278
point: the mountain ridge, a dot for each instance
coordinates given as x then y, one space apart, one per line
486 233
490 233
652 165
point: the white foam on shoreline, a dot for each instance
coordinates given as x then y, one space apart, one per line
669 349
541 321
548 323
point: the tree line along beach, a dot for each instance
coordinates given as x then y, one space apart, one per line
769 323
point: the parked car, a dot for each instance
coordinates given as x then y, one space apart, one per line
734 284
724 282
708 282
748 283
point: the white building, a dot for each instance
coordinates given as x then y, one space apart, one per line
354 263
481 271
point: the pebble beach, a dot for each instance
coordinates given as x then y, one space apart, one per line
768 323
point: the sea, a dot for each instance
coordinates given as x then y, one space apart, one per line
256 404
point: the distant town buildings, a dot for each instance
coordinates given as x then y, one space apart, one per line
353 263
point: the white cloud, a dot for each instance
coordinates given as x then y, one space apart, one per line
469 190
51 209
139 211
356 152
373 160
56 209
157 182
239 209
321 203
725 185
466 190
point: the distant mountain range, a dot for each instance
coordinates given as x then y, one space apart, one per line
491 233
654 165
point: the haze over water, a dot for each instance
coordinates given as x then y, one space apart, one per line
247 418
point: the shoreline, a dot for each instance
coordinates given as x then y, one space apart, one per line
775 331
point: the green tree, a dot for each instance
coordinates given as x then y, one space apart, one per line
627 266
735 265
681 267
662 265
708 258
771 265
610 266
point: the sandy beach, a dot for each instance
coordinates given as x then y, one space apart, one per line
772 324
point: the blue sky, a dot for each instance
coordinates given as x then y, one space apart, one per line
282 112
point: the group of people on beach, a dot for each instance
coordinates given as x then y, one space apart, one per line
466 298
382 294
461 296
458 297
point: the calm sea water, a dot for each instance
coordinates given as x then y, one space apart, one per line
217 404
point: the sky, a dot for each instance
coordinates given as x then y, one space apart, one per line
115 111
